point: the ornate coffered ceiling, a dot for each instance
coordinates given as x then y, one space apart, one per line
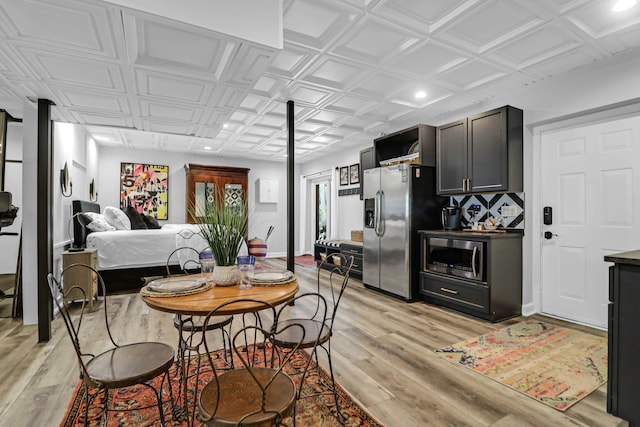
352 68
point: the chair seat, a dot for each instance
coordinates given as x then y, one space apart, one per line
130 364
291 337
194 324
239 395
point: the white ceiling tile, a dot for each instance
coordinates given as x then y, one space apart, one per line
537 45
94 101
380 85
471 74
311 19
76 26
332 72
564 63
350 104
597 18
159 43
428 58
74 70
308 95
102 119
165 127
426 11
489 22
170 86
372 40
155 110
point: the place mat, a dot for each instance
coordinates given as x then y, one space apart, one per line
271 277
148 290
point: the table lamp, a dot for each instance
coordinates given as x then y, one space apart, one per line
83 220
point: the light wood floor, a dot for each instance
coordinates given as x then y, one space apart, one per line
382 350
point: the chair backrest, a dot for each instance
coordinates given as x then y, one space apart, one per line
339 270
73 323
188 260
252 344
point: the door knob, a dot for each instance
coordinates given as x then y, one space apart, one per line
549 235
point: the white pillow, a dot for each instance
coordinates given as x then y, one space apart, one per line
117 218
98 222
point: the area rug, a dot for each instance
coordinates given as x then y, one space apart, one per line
311 411
555 365
303 260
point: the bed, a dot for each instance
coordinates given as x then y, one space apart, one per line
126 257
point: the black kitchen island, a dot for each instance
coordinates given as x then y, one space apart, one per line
623 387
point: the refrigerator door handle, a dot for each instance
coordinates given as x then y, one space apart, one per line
376 213
381 219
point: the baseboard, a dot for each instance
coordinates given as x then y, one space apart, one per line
529 309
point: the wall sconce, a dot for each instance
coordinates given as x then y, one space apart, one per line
65 183
93 194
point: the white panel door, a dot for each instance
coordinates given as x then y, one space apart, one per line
591 179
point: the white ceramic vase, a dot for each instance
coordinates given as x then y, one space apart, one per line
225 275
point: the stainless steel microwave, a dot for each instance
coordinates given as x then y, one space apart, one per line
455 257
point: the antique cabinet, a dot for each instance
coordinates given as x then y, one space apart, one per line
204 180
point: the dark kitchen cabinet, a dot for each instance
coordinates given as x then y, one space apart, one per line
481 153
419 138
497 297
367 161
623 386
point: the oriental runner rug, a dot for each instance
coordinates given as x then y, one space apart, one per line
555 365
303 260
311 411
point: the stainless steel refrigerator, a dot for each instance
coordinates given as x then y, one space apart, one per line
399 200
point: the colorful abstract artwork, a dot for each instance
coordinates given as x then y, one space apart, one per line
145 187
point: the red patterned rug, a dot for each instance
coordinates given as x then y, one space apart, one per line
555 365
311 411
303 260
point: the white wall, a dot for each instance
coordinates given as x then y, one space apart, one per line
347 209
262 215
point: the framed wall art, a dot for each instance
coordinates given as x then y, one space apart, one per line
344 175
146 188
354 174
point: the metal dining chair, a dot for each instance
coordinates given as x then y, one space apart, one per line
319 325
258 393
120 365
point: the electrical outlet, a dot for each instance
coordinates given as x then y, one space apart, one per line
509 210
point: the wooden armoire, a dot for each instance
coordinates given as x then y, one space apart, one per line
204 180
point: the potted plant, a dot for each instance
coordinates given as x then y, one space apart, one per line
224 227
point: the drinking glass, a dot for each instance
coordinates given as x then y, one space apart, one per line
206 266
245 265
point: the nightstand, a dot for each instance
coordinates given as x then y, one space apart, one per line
81 277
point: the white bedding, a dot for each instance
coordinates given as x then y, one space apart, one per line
143 248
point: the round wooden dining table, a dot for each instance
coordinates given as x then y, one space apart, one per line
202 303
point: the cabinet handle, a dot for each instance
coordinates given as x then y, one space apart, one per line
450 291
464 184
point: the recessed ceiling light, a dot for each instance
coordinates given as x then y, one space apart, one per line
420 94
207 148
226 125
623 5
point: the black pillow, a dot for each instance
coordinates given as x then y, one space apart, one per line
151 222
137 221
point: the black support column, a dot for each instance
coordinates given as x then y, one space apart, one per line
290 189
43 218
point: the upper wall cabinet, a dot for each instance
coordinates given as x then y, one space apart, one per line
481 154
419 141
204 181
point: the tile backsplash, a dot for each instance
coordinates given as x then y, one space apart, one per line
506 208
